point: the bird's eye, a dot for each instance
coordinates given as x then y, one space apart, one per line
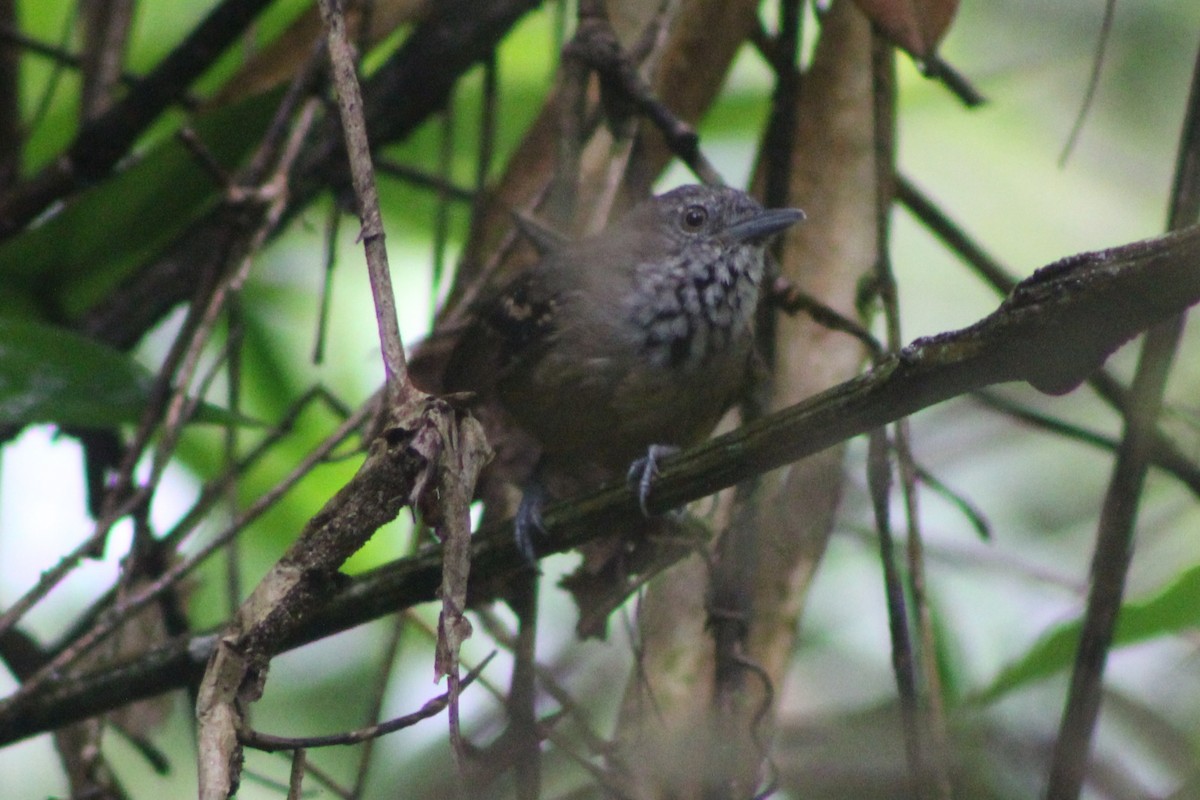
694 217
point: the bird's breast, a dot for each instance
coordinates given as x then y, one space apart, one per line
694 309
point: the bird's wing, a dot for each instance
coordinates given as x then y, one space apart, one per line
511 329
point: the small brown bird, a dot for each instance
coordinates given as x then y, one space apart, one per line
620 344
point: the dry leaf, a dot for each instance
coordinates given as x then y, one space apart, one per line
916 26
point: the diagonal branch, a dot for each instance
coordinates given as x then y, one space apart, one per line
270 743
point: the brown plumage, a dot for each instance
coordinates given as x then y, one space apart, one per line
638 336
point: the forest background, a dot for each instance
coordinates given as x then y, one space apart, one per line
1012 484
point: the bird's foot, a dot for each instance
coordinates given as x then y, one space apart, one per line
643 472
528 524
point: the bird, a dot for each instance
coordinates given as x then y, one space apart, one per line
619 347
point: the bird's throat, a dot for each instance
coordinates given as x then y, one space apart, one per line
697 306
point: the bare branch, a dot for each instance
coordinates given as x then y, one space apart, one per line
269 743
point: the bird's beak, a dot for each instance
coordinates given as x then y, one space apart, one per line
762 225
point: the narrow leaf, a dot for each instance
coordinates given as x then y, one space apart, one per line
1175 609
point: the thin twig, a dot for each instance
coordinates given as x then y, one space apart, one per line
273 195
236 331
596 45
46 99
1168 460
935 67
1089 96
605 780
952 235
921 711
547 679
13 130
59 55
488 131
425 180
964 505
270 743
778 144
879 479
214 490
759 729
522 693
325 779
378 692
791 300
333 226
358 148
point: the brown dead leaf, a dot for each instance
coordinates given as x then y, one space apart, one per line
455 450
916 26
446 504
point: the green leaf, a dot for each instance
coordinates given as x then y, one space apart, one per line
51 374
1174 609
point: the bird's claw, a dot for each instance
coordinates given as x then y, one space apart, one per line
644 470
528 525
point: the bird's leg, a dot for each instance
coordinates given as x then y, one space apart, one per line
528 524
643 471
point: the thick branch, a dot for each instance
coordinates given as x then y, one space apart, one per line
1054 329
